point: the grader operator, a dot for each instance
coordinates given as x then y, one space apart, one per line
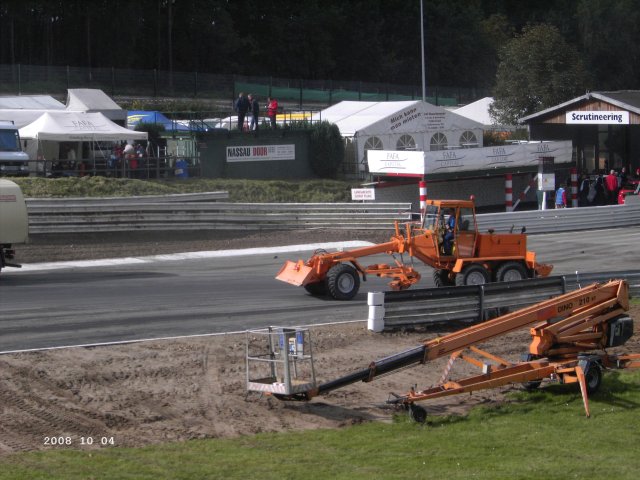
447 240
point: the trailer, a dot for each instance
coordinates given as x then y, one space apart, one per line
14 224
571 334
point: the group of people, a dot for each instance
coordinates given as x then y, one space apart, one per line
600 189
128 155
249 105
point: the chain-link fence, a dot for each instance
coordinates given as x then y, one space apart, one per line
21 79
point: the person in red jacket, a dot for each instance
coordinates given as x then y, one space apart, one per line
611 185
272 110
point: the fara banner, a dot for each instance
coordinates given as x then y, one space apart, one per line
412 164
256 153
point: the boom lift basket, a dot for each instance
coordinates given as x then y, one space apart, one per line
279 361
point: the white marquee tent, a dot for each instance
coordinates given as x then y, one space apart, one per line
44 136
408 125
78 127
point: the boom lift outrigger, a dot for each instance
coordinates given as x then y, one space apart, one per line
570 338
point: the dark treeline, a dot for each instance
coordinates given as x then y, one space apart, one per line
367 40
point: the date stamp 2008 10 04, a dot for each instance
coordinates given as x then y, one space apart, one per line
68 441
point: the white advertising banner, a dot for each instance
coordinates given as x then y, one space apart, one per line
396 162
411 164
255 153
596 117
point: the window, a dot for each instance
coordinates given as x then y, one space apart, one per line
438 141
406 142
468 140
373 143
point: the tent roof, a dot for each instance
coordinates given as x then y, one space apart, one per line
374 118
352 116
477 111
134 117
94 100
77 126
31 102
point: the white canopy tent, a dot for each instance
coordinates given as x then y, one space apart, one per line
78 127
408 125
44 136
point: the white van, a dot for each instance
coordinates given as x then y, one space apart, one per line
13 161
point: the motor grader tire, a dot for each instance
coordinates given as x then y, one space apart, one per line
511 272
316 288
473 274
441 278
343 282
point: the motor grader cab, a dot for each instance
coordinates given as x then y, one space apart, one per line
447 240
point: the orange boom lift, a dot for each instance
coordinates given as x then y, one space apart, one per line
459 255
571 334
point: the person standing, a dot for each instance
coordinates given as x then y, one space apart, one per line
255 111
272 110
611 186
561 197
583 190
241 108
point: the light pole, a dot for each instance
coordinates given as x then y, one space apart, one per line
424 88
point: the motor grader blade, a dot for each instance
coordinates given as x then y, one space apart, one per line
296 273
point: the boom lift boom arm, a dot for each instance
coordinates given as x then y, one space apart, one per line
566 325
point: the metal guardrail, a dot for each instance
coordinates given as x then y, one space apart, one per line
51 204
105 215
202 211
564 219
417 308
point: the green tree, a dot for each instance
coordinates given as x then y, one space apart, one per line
326 149
537 70
609 37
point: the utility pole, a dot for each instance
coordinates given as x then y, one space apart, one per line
424 88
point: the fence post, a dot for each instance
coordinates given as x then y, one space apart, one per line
508 191
300 103
480 303
195 83
113 81
574 187
423 199
19 80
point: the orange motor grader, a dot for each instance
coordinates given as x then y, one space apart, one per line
447 240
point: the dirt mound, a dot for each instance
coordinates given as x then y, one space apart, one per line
157 391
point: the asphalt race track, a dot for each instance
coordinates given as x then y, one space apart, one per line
113 303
